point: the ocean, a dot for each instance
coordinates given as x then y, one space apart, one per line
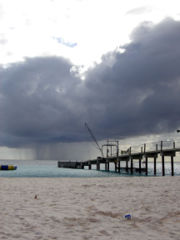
48 168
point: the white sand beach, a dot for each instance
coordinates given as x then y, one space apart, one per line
90 208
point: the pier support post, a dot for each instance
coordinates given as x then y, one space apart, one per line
131 165
127 166
98 165
89 166
105 166
108 166
82 165
140 165
146 165
155 166
119 166
163 165
172 165
115 167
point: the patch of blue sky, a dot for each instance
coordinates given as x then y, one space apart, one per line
64 42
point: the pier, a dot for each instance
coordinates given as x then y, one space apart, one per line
162 149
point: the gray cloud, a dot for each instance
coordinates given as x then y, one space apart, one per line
139 93
38 102
136 93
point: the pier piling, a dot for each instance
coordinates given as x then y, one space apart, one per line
172 165
119 166
131 165
146 165
89 166
163 165
98 166
140 165
155 165
127 166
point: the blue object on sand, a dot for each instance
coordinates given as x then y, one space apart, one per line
127 216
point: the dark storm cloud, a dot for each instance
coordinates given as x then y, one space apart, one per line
38 102
128 94
139 93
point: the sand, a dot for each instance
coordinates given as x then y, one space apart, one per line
64 208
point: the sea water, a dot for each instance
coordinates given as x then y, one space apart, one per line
48 168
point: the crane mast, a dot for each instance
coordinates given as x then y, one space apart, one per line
94 138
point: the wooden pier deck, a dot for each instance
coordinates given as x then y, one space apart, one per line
129 157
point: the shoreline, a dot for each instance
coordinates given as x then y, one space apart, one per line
101 177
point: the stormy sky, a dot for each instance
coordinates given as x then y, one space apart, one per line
131 91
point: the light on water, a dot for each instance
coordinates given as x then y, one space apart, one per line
41 168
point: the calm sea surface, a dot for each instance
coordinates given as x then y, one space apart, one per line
41 168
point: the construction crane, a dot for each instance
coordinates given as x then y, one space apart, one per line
94 139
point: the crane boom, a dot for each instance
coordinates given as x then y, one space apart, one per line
93 137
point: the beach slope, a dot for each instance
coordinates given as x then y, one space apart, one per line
90 208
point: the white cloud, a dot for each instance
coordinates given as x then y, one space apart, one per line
28 27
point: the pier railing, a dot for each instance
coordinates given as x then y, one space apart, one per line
151 147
